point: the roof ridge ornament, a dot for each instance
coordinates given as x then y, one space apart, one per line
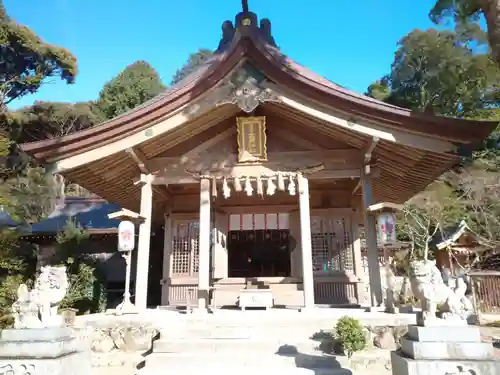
246 23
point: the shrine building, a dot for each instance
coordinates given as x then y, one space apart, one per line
261 172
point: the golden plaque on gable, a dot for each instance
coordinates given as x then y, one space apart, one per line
251 139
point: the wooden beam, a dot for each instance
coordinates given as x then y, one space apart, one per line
125 214
367 159
255 171
367 128
384 207
210 143
290 159
370 149
356 188
295 139
142 163
139 158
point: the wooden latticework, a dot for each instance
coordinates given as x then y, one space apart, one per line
331 240
185 249
487 290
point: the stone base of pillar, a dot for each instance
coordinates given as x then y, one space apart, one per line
55 350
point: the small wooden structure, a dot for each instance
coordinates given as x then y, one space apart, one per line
459 252
456 249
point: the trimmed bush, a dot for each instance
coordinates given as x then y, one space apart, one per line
350 335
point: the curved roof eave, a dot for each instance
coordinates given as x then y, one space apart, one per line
188 89
280 69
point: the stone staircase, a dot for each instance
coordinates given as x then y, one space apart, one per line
246 343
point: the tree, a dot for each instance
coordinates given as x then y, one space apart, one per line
86 283
27 194
138 83
466 14
435 71
479 185
27 61
428 214
379 90
46 120
194 61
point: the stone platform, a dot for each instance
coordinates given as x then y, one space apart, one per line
54 351
447 347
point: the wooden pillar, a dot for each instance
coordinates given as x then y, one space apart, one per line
376 298
167 254
141 279
204 245
305 241
296 248
220 258
358 259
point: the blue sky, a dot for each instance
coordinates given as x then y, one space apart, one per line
349 42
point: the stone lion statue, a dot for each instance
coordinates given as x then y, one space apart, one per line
428 286
51 286
25 309
38 307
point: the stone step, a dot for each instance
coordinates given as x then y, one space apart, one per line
228 367
243 332
444 334
447 350
229 346
273 319
404 365
244 359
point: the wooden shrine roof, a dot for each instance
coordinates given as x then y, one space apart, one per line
405 170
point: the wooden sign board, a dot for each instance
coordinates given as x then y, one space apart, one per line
252 139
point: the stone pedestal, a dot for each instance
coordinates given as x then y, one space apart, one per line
445 348
54 351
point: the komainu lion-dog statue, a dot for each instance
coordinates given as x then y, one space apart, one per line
429 288
37 308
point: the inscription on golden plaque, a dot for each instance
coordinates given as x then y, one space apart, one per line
251 139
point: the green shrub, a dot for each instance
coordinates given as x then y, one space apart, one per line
17 266
350 335
86 286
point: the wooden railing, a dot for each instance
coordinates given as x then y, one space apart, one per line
325 292
486 291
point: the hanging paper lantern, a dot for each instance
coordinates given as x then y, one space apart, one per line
386 226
